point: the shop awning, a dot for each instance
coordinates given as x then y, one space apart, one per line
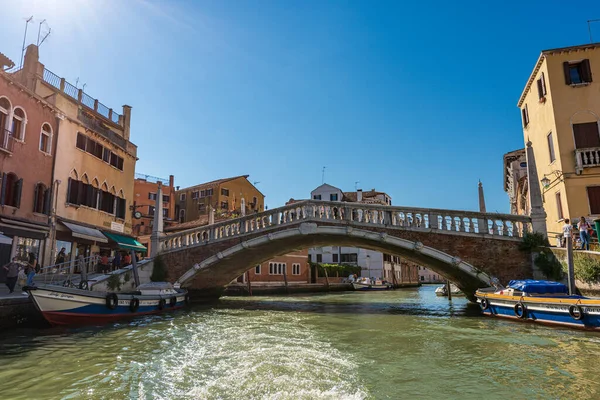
86 233
125 242
5 239
23 229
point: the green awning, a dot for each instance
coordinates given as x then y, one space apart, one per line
125 242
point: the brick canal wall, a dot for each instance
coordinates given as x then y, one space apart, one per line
496 256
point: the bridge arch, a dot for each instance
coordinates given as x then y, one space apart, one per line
214 271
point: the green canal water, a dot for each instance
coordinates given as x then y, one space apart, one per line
403 344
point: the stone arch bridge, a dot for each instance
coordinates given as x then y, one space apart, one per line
465 247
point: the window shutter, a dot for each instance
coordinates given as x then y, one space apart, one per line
47 199
540 89
18 188
89 195
3 191
587 71
36 192
543 79
69 190
567 73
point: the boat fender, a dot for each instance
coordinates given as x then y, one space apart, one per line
112 301
134 304
83 285
187 299
173 301
521 310
161 304
576 312
67 283
485 304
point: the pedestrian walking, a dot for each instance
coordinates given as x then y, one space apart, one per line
13 274
584 227
31 269
567 231
61 257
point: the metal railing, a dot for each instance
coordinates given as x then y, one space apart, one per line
94 124
7 141
51 78
456 221
63 274
151 178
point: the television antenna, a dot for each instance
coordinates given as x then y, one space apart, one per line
323 175
356 185
590 28
255 183
46 34
24 38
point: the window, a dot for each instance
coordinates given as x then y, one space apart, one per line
586 135
594 199
319 258
151 210
116 161
257 270
195 195
165 213
106 155
18 124
559 207
182 197
224 205
166 198
333 197
276 268
202 208
295 269
541 85
181 216
41 199
525 115
107 202
225 192
577 72
254 202
5 108
46 138
422 277
350 258
81 140
121 207
551 147
11 190
208 192
151 196
317 197
335 258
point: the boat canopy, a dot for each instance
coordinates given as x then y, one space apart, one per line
538 287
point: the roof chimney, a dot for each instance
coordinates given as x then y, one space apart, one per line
171 181
359 195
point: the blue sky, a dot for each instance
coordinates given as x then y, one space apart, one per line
416 99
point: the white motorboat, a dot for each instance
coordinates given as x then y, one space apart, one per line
365 283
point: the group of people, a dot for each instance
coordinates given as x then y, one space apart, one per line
102 261
25 272
585 232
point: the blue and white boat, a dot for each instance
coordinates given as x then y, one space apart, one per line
70 306
545 302
366 284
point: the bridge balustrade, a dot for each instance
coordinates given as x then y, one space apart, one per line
355 214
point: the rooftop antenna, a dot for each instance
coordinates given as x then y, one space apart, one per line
590 28
39 43
24 37
356 185
255 183
323 175
76 82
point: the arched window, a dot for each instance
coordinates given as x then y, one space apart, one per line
11 190
5 108
46 139
182 216
41 199
18 123
121 205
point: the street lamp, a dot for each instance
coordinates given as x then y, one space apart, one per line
545 182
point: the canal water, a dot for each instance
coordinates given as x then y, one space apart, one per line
403 344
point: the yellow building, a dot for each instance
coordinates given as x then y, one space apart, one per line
234 195
560 110
94 168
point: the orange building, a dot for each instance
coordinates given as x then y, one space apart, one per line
294 265
145 188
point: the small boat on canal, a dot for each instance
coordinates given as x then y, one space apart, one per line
72 306
366 284
544 302
443 291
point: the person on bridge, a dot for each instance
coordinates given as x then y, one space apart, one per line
13 274
567 231
584 227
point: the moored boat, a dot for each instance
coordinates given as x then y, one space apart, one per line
443 291
365 283
545 302
70 306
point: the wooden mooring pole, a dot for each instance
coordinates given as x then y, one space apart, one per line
570 267
249 284
449 290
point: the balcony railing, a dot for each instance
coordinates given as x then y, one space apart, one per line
151 178
97 126
80 96
7 140
587 158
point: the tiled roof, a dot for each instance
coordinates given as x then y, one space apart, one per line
213 184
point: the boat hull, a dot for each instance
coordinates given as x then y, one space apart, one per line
66 306
545 310
367 287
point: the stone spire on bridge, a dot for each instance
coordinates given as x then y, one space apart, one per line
537 212
157 227
481 198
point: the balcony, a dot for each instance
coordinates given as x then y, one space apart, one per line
587 158
7 141
97 126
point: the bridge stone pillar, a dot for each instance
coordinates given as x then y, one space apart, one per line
537 212
157 228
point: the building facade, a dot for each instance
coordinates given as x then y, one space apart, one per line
26 159
560 113
516 184
94 166
429 276
271 273
229 196
145 190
